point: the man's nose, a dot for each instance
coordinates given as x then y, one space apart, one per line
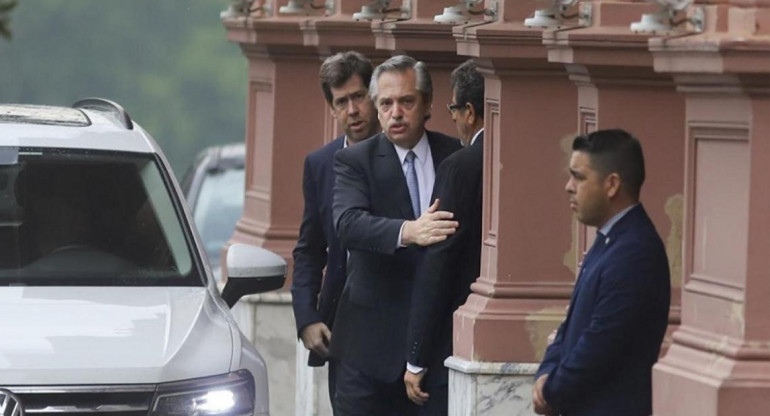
398 110
569 186
352 107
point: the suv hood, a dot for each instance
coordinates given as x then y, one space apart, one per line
95 335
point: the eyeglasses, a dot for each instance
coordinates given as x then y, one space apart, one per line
454 107
341 103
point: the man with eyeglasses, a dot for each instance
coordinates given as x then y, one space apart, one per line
384 216
344 81
443 280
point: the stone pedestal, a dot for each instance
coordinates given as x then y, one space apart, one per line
490 389
719 363
267 322
311 397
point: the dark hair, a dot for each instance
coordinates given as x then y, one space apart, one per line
402 63
615 151
337 69
468 86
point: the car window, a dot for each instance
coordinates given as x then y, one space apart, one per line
218 207
71 217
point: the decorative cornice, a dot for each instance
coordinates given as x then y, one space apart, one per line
413 35
496 40
481 367
541 288
338 32
723 345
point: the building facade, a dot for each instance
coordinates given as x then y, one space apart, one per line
697 95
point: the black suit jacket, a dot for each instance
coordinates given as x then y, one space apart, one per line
315 295
600 362
371 201
442 282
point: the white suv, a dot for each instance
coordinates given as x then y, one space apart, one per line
107 302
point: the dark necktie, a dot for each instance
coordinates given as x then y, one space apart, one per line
599 243
411 183
596 248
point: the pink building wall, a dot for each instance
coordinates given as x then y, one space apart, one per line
700 104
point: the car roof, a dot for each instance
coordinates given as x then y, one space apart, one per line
92 124
227 156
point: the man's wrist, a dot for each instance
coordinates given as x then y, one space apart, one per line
414 369
402 236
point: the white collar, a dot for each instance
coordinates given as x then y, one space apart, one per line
476 136
421 150
606 228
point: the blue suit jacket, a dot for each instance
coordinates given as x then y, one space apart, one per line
600 362
316 236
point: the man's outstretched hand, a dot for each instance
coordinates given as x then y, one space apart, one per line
432 227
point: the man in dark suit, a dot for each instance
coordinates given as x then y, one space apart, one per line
442 282
345 83
600 362
383 215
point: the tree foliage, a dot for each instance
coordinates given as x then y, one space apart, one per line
167 62
5 17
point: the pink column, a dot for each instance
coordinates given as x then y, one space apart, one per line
618 88
285 119
719 363
527 268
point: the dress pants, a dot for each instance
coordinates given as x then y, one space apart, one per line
438 403
360 395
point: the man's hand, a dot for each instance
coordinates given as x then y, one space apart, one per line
538 400
413 390
316 337
432 227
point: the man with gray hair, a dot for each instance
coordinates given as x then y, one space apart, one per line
384 216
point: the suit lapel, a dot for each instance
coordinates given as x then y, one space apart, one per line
439 150
390 174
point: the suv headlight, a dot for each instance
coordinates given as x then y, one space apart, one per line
230 394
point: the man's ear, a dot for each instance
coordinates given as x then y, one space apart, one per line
470 114
333 113
612 184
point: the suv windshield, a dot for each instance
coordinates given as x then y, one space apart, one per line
96 218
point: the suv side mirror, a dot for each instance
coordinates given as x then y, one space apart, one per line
252 269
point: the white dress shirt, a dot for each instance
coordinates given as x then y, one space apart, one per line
423 166
426 174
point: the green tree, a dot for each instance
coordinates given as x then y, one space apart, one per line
167 62
5 17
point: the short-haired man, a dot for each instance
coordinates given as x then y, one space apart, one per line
600 362
383 215
344 80
442 282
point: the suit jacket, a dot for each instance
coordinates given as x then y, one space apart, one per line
371 201
442 282
315 295
600 362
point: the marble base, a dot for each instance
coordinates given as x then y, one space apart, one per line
267 320
490 389
312 395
